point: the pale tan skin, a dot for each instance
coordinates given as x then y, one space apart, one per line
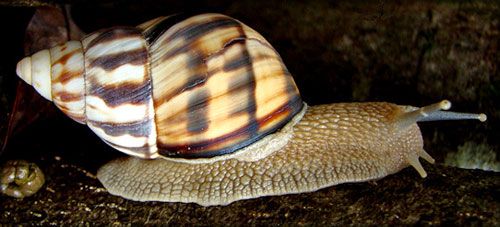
332 144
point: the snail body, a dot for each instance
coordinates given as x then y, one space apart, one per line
210 101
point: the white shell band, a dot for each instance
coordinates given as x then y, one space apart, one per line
40 71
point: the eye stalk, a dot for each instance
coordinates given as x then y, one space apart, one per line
433 112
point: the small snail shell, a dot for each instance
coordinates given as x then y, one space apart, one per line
212 98
19 178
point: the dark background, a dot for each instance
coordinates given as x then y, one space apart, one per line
405 52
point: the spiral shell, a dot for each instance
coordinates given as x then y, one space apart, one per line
202 87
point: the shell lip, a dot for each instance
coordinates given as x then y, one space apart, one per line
233 151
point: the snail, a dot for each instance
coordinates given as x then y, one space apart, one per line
209 114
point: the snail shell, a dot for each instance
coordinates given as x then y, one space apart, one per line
203 87
19 178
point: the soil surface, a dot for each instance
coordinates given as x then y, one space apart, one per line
448 195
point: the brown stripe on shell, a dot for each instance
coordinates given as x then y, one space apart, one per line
68 97
67 79
152 33
63 59
197 30
195 81
245 60
166 51
136 129
118 90
209 147
197 63
242 61
197 120
257 59
110 34
66 76
290 91
198 80
193 32
123 93
290 108
197 112
205 87
113 61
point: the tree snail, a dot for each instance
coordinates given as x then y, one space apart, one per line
211 115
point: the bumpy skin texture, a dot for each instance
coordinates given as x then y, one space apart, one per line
332 144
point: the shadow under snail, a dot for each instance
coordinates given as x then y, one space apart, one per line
211 115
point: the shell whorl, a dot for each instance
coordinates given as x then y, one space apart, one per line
223 86
57 74
119 105
192 87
